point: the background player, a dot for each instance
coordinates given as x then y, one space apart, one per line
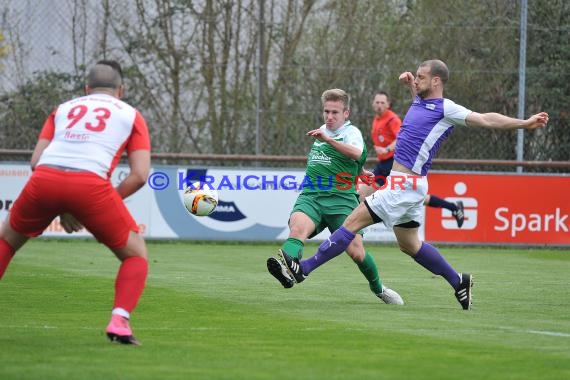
78 148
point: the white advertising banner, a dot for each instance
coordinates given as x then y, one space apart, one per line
254 204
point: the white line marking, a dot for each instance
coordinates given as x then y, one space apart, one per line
551 333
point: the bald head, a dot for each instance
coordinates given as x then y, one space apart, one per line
105 74
437 69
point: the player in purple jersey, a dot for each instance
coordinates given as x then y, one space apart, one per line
428 122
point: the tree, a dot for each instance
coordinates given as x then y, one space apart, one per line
192 67
3 47
24 110
548 79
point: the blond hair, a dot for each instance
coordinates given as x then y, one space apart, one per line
336 95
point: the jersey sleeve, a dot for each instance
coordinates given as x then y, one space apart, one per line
395 125
139 139
48 130
455 113
354 137
362 160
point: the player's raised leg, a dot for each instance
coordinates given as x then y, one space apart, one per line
456 208
339 240
279 271
301 226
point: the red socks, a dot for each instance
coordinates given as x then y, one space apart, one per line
6 254
130 282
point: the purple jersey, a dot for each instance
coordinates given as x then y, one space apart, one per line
426 125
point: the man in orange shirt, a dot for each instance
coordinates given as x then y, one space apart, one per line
385 128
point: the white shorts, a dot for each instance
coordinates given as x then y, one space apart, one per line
401 200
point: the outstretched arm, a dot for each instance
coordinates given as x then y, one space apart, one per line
349 151
498 121
407 78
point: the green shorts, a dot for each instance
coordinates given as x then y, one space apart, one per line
326 210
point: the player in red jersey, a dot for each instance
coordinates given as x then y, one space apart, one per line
78 148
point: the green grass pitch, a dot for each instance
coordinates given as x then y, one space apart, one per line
211 311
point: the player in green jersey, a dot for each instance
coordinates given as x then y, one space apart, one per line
329 193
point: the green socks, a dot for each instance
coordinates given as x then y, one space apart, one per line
370 271
293 247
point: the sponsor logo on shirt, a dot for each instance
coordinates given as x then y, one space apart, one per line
319 157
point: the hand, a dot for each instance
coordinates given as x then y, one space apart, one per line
537 121
367 173
406 78
319 134
381 150
69 223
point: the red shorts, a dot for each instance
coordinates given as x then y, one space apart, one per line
91 199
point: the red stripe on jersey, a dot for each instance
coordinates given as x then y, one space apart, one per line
48 129
138 140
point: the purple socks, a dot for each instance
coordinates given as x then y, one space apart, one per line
429 257
329 249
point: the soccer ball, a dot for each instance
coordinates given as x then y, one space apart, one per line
200 199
